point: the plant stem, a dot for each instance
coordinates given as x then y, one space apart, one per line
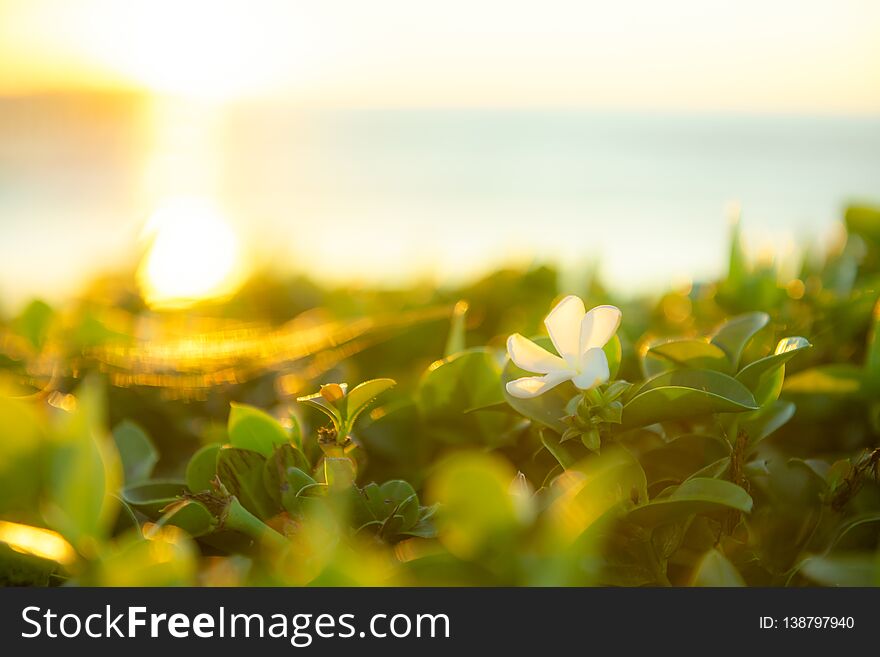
240 519
594 396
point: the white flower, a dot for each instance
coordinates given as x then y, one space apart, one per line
578 337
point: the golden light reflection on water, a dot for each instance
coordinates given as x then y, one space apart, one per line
186 357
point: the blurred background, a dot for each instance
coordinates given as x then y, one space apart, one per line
189 144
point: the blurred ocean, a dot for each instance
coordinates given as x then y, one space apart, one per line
394 194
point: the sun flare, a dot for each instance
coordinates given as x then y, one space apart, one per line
194 255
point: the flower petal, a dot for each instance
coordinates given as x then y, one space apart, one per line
598 326
594 369
528 356
563 324
532 386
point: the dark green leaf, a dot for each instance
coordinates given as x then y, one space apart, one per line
695 496
682 394
275 478
454 385
151 497
191 516
762 423
136 450
696 354
241 472
734 335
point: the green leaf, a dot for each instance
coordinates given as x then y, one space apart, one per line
695 354
451 387
385 500
34 322
255 430
734 335
750 376
151 497
296 436
126 519
295 482
547 409
318 402
836 380
21 456
191 516
395 492
361 396
136 450
682 394
762 423
713 470
84 471
275 478
592 490
375 504
864 220
843 569
563 453
241 472
695 496
409 511
339 473
715 570
424 527
681 457
202 468
613 352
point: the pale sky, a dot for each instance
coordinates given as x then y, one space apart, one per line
751 55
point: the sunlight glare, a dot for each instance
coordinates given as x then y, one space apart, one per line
194 255
43 543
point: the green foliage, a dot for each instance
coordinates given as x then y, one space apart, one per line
733 336
151 497
698 495
138 454
34 323
255 430
723 450
450 388
83 472
697 354
685 393
343 407
241 472
714 569
202 468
